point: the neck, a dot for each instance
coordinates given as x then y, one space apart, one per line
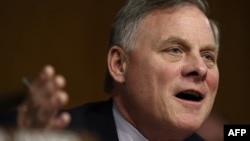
153 131
161 133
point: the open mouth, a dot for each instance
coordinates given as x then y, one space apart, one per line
190 96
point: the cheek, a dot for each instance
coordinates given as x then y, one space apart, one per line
138 75
151 76
144 77
213 81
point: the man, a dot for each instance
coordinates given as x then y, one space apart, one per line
162 77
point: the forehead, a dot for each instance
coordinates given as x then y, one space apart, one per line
186 22
176 14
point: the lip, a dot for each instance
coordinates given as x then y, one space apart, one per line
190 103
202 93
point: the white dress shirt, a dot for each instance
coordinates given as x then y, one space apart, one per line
126 131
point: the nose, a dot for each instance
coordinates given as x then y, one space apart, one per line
195 68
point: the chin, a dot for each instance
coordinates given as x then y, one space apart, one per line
189 124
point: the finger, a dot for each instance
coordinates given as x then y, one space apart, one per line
22 120
43 90
43 80
48 108
61 121
53 90
46 111
44 101
53 85
45 75
59 99
59 81
47 72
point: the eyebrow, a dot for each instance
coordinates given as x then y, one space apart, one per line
176 40
185 43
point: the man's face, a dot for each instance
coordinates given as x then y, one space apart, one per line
171 77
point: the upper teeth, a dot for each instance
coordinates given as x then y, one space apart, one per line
192 93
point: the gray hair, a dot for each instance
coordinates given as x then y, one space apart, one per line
128 19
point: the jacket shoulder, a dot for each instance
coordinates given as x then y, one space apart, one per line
96 118
194 137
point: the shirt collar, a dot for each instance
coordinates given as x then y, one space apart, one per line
126 131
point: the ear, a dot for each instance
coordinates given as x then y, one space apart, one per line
117 61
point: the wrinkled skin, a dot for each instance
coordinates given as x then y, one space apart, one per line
174 51
44 99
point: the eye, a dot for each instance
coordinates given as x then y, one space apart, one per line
209 57
174 50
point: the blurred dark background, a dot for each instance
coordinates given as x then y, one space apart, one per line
73 37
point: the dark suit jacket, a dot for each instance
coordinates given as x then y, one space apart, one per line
98 119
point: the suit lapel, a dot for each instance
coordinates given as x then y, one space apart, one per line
102 122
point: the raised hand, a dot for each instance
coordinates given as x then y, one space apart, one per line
44 100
